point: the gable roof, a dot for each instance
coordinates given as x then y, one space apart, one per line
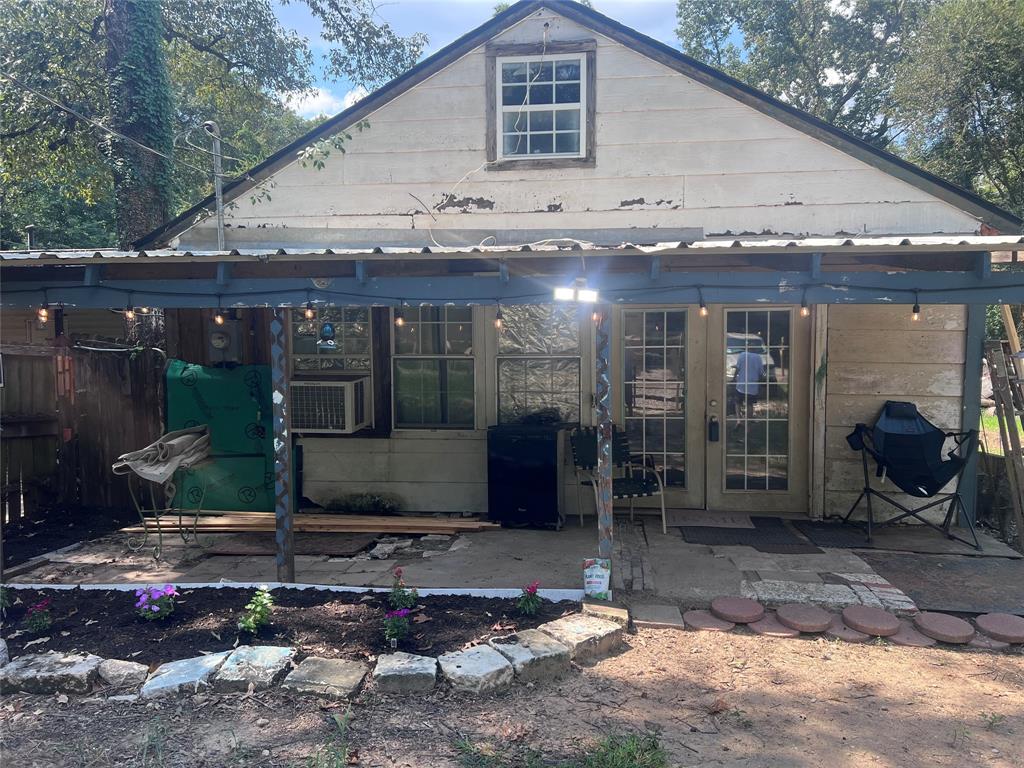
827 133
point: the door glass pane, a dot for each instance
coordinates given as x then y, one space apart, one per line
757 358
654 388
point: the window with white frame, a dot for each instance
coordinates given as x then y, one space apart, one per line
433 378
538 365
542 108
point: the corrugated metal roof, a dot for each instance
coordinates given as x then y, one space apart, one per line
746 245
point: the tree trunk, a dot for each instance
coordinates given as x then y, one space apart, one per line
140 108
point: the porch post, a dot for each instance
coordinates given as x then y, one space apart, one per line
603 420
285 537
973 360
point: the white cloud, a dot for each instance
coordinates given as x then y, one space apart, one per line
315 103
356 94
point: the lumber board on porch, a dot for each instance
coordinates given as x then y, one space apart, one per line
320 523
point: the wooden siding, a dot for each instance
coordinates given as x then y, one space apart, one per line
876 353
671 152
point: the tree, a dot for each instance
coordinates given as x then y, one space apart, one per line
833 58
228 60
961 89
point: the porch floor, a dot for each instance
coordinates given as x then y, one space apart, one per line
647 566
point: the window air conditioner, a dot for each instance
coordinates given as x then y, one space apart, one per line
330 407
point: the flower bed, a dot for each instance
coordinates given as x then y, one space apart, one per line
346 625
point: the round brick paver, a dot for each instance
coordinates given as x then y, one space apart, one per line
839 631
771 627
704 620
983 643
1002 626
908 636
804 618
870 621
739 610
941 626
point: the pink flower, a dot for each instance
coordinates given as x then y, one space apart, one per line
398 572
531 589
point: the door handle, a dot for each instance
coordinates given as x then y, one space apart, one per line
713 429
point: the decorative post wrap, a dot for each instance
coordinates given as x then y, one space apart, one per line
603 419
282 447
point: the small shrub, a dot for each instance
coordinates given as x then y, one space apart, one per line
401 596
154 603
528 602
396 625
38 618
257 611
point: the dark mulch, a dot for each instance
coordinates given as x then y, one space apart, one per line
55 528
319 623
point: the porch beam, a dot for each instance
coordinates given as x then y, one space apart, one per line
971 404
283 502
1000 287
223 272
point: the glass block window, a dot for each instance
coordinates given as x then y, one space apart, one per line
541 106
336 341
538 366
433 368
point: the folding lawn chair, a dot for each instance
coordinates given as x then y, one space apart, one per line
158 465
640 479
908 450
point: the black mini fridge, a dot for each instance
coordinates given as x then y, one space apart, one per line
525 483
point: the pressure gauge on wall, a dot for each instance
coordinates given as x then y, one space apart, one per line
220 340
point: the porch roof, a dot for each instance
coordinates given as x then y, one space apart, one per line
866 245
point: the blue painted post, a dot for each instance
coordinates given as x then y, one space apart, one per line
603 418
285 537
973 356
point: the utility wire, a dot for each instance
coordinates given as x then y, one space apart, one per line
97 124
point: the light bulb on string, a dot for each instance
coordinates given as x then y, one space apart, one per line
703 307
129 311
915 313
805 311
43 313
309 313
499 319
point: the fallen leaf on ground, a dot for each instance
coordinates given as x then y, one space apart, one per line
420 618
36 641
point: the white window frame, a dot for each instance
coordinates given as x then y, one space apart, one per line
502 109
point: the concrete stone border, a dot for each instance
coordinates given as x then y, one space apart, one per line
527 656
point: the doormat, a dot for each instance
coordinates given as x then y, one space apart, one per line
769 534
837 535
953 583
331 544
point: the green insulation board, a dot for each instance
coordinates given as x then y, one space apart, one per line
235 404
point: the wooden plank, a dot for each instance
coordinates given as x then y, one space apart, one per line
848 410
870 347
900 380
822 384
896 317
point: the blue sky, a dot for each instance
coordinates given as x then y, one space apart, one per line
445 20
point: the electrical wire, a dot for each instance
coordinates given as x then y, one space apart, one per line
97 124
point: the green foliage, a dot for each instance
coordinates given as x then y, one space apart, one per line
5 601
617 751
38 617
335 753
316 154
225 60
836 60
961 90
257 611
401 596
529 601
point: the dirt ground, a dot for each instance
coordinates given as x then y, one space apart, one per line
721 700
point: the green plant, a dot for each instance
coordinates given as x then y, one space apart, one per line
38 618
257 611
528 602
396 625
155 602
5 601
401 596
992 720
334 754
617 751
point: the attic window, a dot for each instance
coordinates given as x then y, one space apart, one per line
541 99
542 107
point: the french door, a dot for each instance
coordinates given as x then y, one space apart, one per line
718 403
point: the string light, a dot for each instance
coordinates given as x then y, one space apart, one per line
129 311
43 314
703 307
915 313
805 311
499 319
309 313
218 318
399 319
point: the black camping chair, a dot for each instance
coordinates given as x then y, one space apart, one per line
908 450
640 481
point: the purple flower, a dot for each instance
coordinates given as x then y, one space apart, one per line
138 592
401 613
154 608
